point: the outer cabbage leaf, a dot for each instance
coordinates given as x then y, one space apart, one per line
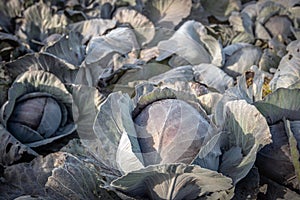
65 71
85 109
11 47
245 138
209 101
269 60
288 71
5 82
167 13
56 176
11 149
113 125
145 72
121 40
126 79
240 58
224 32
275 160
213 77
75 179
116 48
68 48
221 9
39 22
272 21
92 27
210 152
183 73
9 10
160 35
180 79
144 28
249 87
242 25
192 43
175 181
276 106
293 133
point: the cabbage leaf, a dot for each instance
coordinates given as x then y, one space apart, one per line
245 138
175 181
167 13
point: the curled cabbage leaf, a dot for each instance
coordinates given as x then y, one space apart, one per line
175 181
167 13
192 43
288 72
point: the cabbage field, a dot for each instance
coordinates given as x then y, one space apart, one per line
149 99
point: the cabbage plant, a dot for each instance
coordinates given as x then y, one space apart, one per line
166 136
38 111
194 92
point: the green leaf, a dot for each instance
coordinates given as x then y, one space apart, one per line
112 127
11 149
247 134
276 106
92 27
85 108
221 9
240 57
288 72
275 160
144 28
56 176
192 43
175 181
293 144
68 48
65 71
120 40
39 22
213 77
167 13
249 87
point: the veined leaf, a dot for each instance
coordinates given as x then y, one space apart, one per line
192 43
213 77
288 72
245 138
120 40
276 106
175 181
114 130
57 176
167 13
92 27
143 28
11 149
170 131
